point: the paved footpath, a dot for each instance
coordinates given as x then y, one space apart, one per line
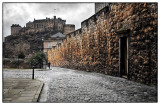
21 90
66 85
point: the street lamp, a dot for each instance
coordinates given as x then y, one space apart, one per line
42 43
33 68
42 51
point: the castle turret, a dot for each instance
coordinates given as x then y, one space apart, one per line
15 28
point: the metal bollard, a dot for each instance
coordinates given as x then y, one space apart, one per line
33 73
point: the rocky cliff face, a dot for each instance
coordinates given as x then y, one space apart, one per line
28 44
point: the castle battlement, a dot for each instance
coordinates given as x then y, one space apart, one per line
15 25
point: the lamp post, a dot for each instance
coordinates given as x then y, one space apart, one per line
33 72
42 51
33 68
42 43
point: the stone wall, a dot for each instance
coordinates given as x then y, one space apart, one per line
68 28
99 6
95 47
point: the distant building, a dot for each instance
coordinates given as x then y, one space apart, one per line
53 41
43 25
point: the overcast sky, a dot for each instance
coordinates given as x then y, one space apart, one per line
21 13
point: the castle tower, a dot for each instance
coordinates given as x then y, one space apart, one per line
15 28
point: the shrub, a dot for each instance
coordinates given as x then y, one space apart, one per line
21 55
37 59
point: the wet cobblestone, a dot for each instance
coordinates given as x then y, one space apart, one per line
65 85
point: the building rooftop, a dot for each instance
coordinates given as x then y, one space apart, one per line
39 21
58 35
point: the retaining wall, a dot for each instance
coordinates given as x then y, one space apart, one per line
95 46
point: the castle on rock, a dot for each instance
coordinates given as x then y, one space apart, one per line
43 25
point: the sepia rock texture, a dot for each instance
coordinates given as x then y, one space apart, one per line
95 46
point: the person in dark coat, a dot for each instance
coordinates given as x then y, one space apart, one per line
49 64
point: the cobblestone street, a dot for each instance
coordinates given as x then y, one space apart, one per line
66 85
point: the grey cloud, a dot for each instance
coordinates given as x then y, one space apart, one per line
21 13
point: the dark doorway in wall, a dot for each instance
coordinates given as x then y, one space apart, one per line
123 56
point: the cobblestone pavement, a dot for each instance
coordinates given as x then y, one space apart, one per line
65 85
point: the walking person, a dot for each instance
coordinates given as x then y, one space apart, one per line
49 64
